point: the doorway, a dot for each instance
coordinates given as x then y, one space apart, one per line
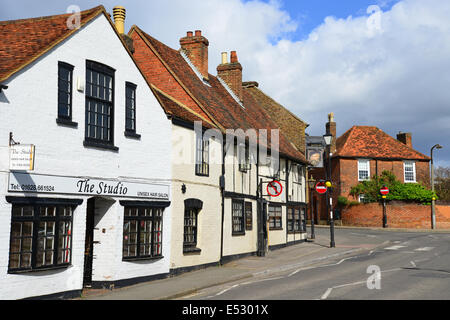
89 243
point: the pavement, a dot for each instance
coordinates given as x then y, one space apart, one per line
348 243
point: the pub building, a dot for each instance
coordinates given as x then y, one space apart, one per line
84 160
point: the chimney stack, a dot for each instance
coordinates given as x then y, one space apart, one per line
231 73
196 49
119 21
331 129
119 18
405 138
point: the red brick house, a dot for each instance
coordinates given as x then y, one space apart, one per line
364 151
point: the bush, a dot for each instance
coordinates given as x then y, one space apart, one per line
412 192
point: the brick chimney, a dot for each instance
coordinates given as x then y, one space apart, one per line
196 49
405 137
231 73
331 129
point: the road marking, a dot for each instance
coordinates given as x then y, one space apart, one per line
225 290
326 294
394 247
413 264
424 249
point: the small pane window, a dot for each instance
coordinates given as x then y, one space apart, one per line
142 232
410 171
238 217
363 170
248 216
130 107
190 228
65 91
42 240
275 221
202 156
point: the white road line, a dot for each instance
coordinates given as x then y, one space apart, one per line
326 294
413 264
225 290
394 247
424 249
372 251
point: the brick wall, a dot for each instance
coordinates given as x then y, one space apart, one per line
399 215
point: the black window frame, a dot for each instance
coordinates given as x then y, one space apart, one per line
130 132
201 156
244 158
144 205
65 119
103 69
277 220
190 229
237 221
248 207
36 219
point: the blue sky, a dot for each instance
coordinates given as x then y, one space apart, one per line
315 56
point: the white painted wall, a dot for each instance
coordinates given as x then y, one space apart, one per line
28 108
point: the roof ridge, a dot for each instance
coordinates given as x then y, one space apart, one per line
269 97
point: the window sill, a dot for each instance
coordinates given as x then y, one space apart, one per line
141 259
191 250
66 123
236 234
275 229
100 145
201 174
65 266
296 232
133 135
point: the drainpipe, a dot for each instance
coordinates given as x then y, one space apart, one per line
222 190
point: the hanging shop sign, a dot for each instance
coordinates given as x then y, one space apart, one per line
37 183
21 157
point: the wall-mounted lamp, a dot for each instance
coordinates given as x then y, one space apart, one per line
183 188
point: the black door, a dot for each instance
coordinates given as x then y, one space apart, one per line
262 227
89 243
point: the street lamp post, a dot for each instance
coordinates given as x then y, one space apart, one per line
433 212
312 184
328 138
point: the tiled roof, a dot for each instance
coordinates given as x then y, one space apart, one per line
178 110
23 41
292 127
371 142
215 100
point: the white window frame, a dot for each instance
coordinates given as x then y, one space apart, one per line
405 163
360 161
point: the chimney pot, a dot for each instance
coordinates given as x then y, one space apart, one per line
198 33
233 58
196 48
119 18
189 34
224 58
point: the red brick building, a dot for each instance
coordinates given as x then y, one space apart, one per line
364 151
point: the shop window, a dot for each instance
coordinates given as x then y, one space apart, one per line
41 234
142 232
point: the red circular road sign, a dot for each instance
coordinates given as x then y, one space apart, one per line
274 188
384 191
321 187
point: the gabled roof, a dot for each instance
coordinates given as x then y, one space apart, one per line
23 41
371 142
214 100
288 122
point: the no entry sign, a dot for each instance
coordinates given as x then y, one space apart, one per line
274 188
384 191
321 187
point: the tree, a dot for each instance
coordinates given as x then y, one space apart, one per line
442 183
413 192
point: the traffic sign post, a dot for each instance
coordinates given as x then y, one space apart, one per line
321 187
384 192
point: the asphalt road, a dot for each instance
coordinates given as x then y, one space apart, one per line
403 265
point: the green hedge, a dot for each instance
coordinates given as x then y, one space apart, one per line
412 192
